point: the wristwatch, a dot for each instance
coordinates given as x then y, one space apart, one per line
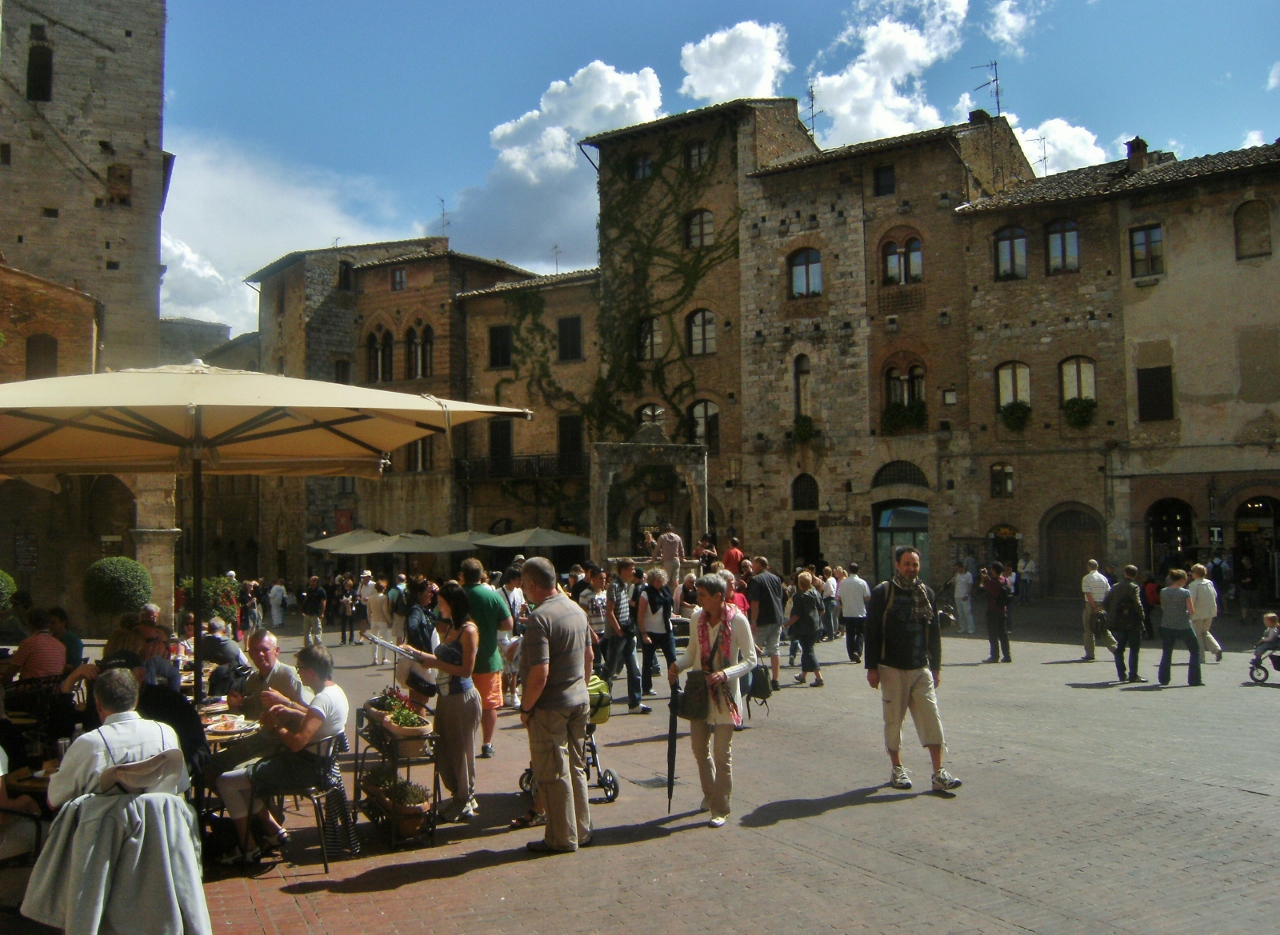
526 710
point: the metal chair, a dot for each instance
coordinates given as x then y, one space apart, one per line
328 798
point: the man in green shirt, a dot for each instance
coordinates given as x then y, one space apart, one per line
491 613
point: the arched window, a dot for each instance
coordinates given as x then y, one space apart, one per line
1253 230
1013 383
1062 247
1077 379
900 472
42 356
806 273
427 352
804 493
1011 253
650 339
704 420
1002 480
699 230
373 359
385 372
906 387
801 373
702 332
914 260
411 359
892 272
40 73
649 412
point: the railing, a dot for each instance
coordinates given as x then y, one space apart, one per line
521 467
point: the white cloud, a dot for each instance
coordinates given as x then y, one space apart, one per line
1011 22
1253 138
880 93
231 212
1273 79
1065 146
746 60
541 192
963 107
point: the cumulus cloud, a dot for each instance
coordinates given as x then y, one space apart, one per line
231 212
1273 79
1253 138
1065 146
541 192
1011 21
746 60
881 91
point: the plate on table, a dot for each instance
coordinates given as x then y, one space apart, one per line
229 725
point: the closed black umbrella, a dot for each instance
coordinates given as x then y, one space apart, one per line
672 731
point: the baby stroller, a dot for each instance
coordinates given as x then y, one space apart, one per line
1257 669
600 703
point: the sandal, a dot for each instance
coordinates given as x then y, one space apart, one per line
529 819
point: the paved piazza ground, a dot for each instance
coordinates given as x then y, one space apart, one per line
1087 807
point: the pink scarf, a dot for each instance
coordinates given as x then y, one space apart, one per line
724 643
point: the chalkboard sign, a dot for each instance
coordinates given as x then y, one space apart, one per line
24 547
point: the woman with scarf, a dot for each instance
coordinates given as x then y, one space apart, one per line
721 645
655 626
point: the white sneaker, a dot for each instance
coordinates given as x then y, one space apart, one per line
716 822
900 778
943 781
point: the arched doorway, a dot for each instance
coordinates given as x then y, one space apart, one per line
1170 533
1256 538
1003 541
806 543
1072 537
901 522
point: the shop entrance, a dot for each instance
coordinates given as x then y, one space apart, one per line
901 522
1256 539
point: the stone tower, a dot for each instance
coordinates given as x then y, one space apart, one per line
83 174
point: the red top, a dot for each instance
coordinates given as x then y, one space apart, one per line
732 559
39 655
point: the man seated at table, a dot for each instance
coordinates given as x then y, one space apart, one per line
124 737
39 655
155 649
218 648
60 627
269 673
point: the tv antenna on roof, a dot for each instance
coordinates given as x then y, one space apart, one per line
444 215
555 252
1043 161
814 113
993 69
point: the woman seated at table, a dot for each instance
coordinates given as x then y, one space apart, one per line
300 728
458 706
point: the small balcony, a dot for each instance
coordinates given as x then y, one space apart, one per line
522 467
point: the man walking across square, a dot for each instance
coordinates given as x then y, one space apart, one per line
1126 620
555 663
904 660
1095 587
964 604
313 603
491 613
853 593
765 594
671 551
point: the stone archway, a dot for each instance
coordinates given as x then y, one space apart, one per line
649 447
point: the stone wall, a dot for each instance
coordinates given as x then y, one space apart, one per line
31 306
185 339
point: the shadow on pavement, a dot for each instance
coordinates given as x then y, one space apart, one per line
394 876
1066 662
789 809
635 740
1110 683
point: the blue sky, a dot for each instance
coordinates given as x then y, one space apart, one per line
296 122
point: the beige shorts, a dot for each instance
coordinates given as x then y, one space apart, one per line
904 690
489 685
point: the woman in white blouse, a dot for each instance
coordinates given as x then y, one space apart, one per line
720 643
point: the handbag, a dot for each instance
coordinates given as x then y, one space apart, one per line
695 701
1099 623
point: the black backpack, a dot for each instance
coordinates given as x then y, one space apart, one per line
399 604
761 688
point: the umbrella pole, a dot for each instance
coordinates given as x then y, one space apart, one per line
197 562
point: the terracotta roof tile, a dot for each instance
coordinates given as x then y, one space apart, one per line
538 282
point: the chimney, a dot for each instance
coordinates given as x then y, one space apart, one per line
979 116
1137 154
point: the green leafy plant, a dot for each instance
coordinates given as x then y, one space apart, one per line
1015 415
803 430
219 597
7 587
903 417
1078 411
116 585
401 716
383 776
405 793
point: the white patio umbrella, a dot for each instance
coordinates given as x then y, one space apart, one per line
343 539
195 419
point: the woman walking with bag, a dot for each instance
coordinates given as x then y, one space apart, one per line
721 648
655 626
805 624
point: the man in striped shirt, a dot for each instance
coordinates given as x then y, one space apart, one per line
39 655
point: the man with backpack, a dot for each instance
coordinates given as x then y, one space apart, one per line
1125 619
903 657
999 596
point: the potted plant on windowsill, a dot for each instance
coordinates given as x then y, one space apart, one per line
1015 415
1078 412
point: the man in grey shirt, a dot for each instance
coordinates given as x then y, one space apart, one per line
555 662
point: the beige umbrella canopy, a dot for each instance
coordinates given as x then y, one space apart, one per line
194 418
344 539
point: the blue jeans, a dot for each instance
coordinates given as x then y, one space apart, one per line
808 660
658 642
619 650
1169 637
829 605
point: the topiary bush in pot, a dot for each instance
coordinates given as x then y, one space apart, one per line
116 585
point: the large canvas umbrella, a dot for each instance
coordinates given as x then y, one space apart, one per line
406 543
193 419
532 539
355 537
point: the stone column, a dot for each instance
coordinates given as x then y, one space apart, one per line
154 549
601 479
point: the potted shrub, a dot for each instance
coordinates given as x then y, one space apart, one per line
1078 411
115 585
379 780
410 730
219 598
1015 415
7 587
410 803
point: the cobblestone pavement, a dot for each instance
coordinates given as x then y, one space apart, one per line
1087 807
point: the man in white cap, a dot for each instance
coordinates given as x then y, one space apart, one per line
364 591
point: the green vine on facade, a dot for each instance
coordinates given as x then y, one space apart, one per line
1078 411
